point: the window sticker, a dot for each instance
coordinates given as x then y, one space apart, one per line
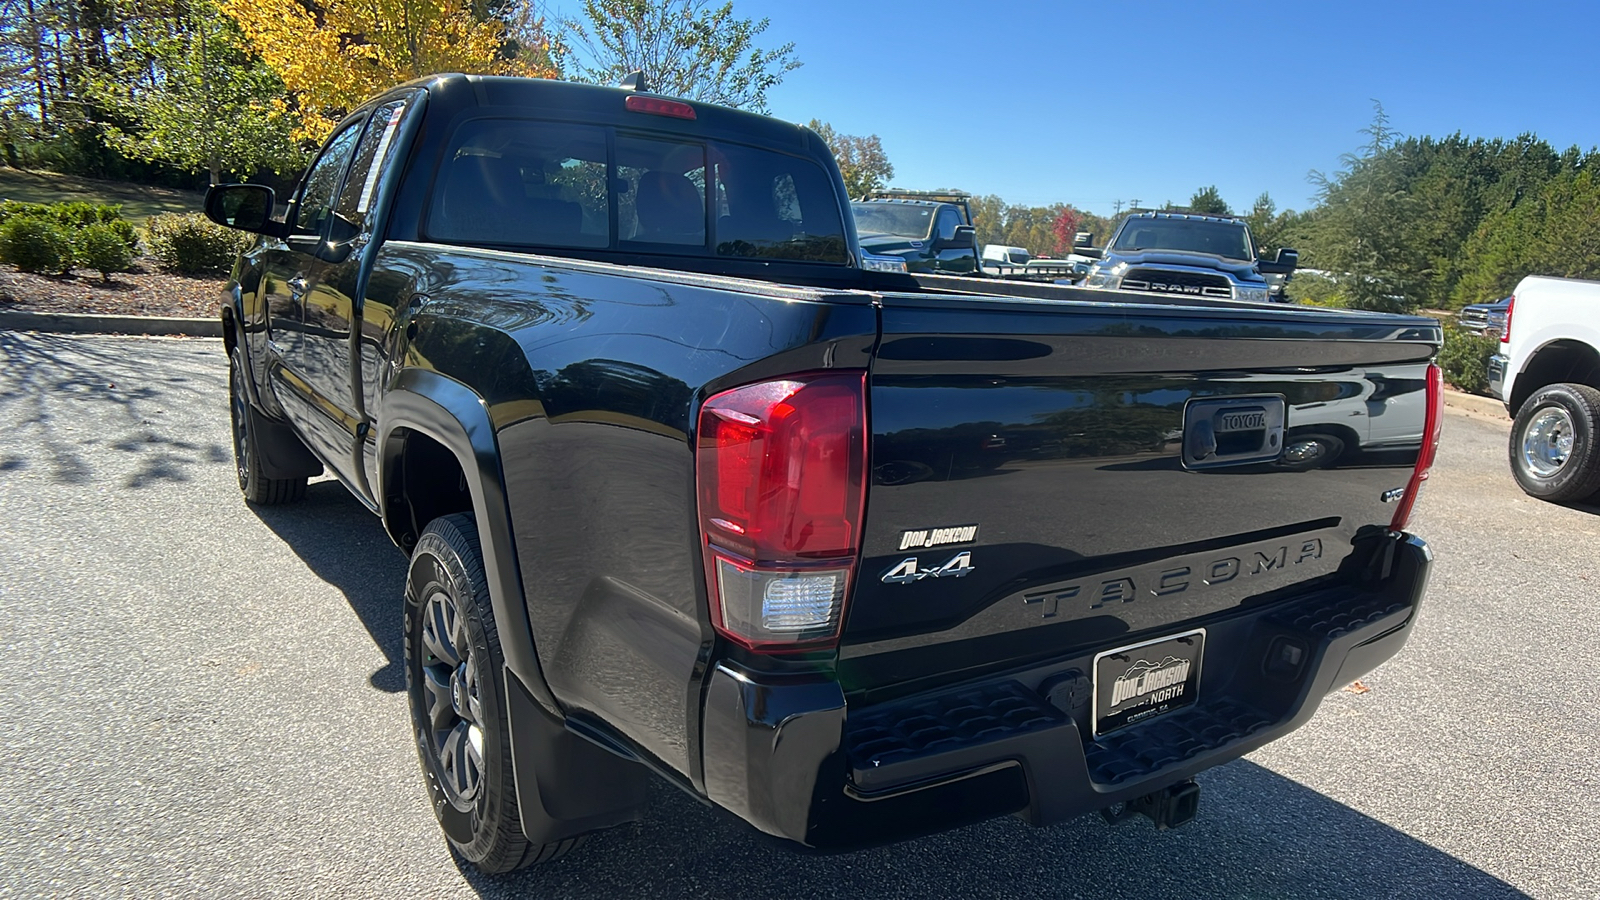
378 158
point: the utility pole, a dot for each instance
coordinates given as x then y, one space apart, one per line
1133 204
1116 207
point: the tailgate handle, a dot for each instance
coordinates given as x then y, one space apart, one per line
1232 431
1200 440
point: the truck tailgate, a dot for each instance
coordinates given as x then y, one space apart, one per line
1051 476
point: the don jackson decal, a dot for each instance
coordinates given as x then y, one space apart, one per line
929 538
1157 682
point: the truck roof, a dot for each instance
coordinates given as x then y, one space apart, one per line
902 202
939 196
589 102
1204 217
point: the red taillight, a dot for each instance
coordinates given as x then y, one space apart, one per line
1432 424
656 106
781 468
1505 330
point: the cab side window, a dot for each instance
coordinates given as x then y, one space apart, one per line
322 182
371 156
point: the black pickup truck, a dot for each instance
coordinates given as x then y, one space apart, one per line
854 556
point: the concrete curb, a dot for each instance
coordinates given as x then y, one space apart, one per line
83 323
1472 403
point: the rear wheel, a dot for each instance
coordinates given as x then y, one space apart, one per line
257 487
1554 454
453 668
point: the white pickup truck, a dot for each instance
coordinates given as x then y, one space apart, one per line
1548 375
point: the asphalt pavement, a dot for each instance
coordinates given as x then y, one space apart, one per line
204 699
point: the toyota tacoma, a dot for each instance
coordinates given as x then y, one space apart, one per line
855 556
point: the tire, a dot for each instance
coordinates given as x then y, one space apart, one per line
1553 448
458 714
257 488
1305 452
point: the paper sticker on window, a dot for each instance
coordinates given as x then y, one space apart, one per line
378 158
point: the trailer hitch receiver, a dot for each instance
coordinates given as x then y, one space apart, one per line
1169 807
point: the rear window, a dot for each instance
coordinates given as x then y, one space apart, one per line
540 184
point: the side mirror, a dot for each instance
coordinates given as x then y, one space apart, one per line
1082 239
247 207
962 237
1283 263
1091 252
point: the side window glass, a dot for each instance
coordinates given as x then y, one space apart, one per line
519 182
665 201
316 193
371 155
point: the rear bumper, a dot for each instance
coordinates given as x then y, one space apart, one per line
786 755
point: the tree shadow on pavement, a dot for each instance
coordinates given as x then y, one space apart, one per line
43 375
1259 835
345 545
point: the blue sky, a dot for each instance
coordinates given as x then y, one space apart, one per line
1091 103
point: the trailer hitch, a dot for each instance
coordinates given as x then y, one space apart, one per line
1169 807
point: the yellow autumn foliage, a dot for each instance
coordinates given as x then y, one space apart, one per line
337 53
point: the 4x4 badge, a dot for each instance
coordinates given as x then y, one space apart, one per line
907 572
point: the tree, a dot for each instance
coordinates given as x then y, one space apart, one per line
1065 228
1207 200
861 160
1272 229
334 54
1365 227
989 218
197 100
685 48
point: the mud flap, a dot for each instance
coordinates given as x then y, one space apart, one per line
566 785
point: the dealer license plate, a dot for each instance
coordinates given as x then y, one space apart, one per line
1141 681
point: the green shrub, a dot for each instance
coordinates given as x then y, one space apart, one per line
102 248
36 244
74 216
189 243
12 209
1465 359
77 214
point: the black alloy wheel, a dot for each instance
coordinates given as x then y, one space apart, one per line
450 679
458 710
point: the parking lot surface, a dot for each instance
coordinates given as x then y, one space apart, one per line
205 699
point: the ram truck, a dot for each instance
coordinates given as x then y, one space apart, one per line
854 556
927 235
1188 254
1548 375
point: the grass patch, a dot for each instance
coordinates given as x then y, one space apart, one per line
138 200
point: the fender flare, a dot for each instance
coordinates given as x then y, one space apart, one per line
452 414
566 785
